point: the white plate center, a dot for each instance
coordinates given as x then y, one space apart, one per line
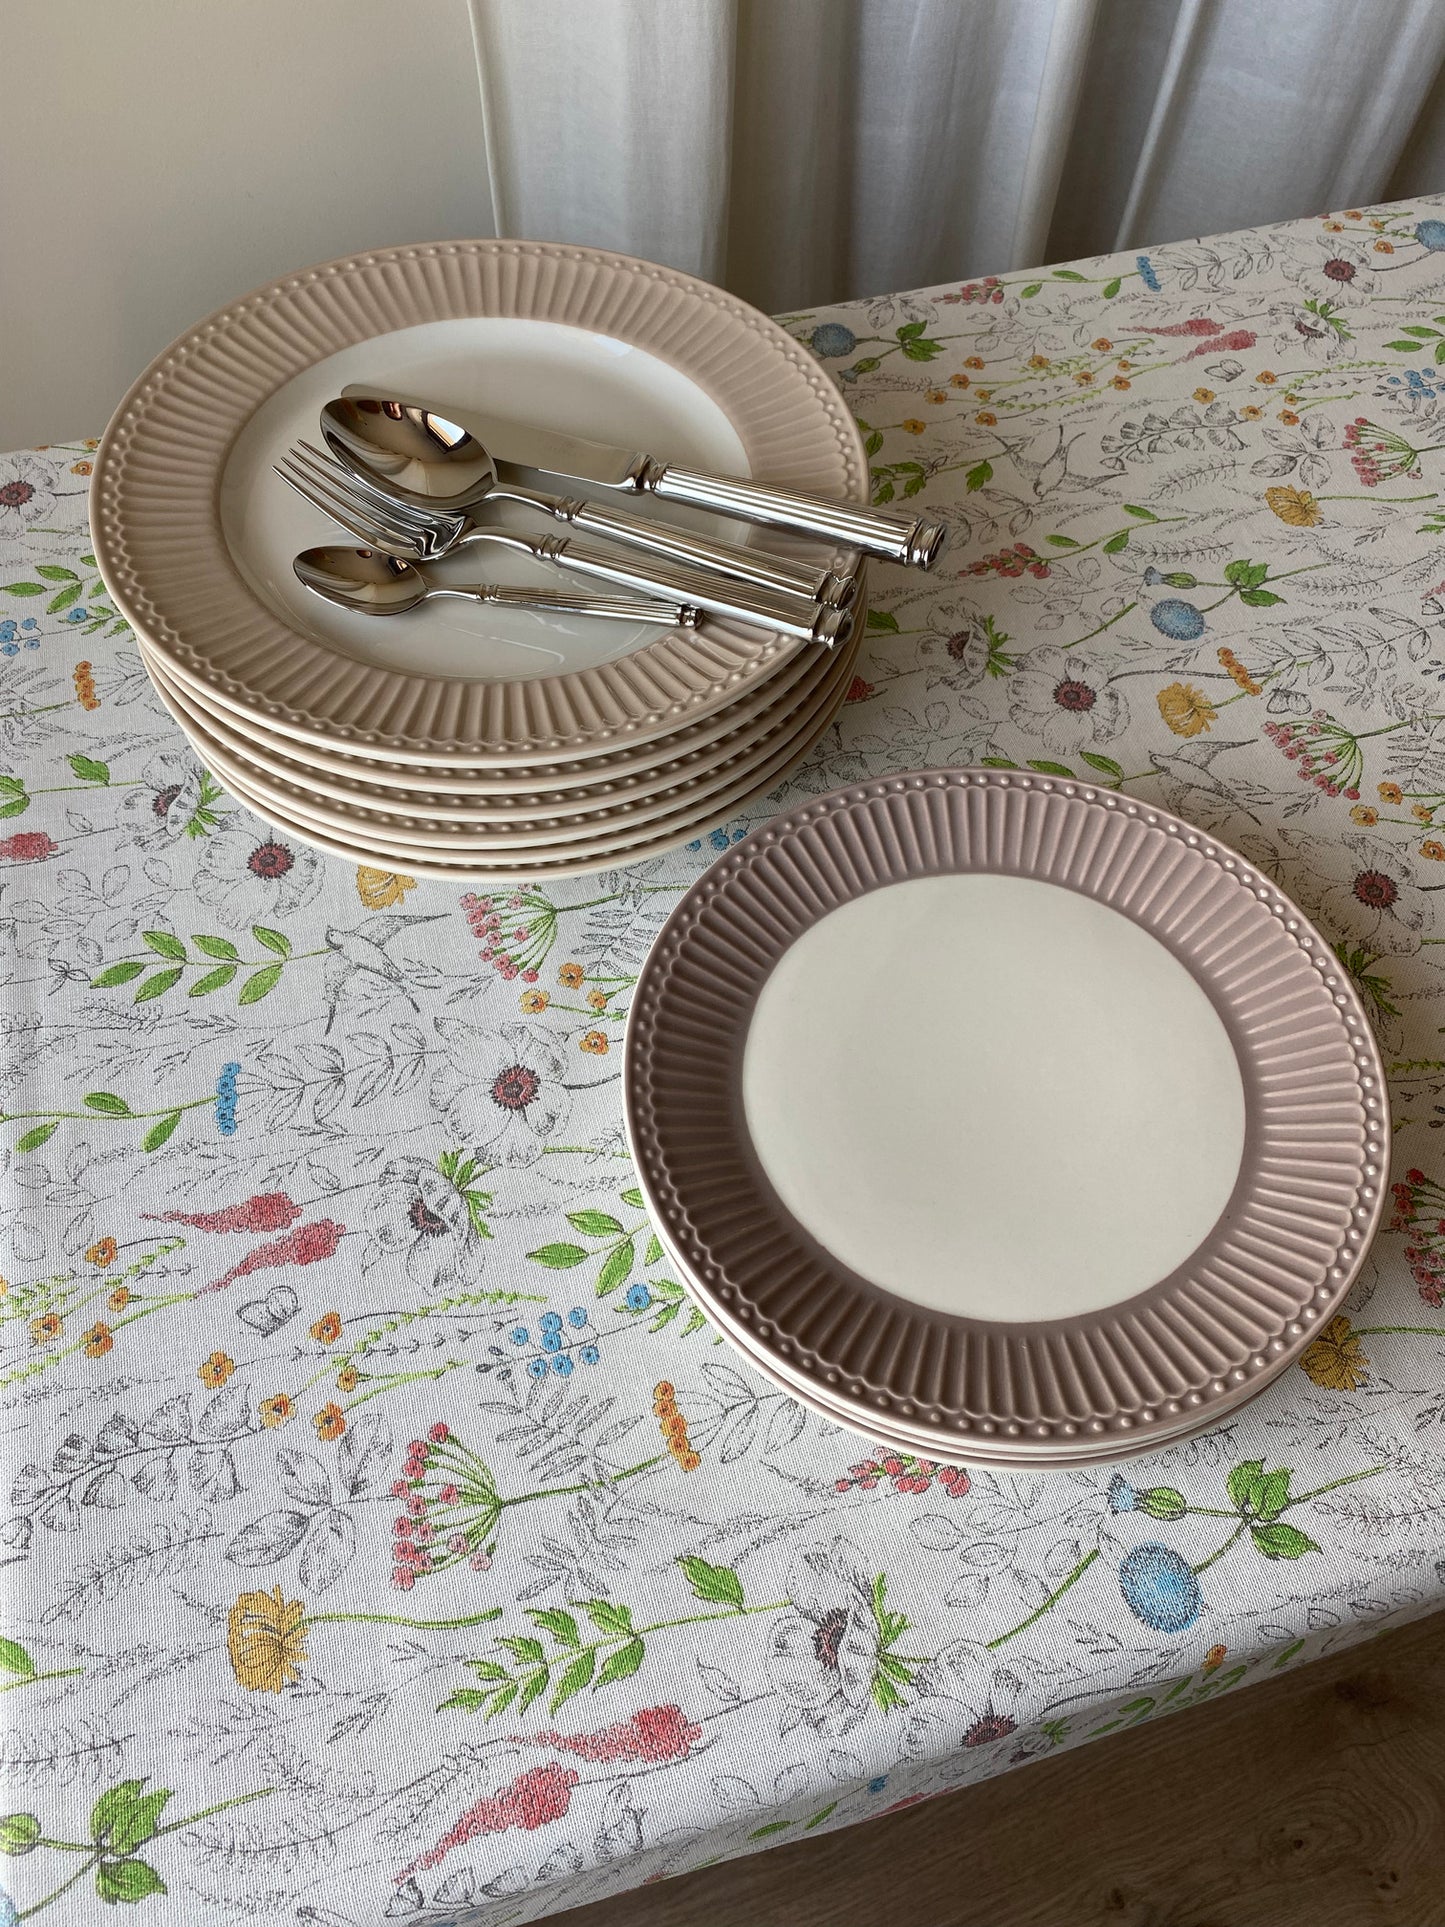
542 372
994 1097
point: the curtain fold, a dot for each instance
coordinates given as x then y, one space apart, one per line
805 151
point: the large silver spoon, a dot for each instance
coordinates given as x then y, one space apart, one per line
374 584
433 462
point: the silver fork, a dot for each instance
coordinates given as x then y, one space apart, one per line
419 536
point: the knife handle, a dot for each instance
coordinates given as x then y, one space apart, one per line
896 538
698 552
787 615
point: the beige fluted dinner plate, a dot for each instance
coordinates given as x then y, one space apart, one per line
558 861
194 537
593 833
554 789
1005 1116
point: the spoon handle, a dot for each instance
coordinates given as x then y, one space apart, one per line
692 551
785 615
559 602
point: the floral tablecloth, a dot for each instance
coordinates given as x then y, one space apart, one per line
384 1536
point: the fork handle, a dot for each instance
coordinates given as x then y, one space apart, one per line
692 551
786 615
681 615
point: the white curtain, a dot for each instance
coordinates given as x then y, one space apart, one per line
804 151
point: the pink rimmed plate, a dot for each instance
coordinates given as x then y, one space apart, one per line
1005 1115
195 536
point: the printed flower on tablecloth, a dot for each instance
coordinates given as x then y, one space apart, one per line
822 1656
248 874
1335 1360
1350 267
965 1700
168 803
26 493
1315 326
503 1091
417 1212
1064 699
1380 905
266 1640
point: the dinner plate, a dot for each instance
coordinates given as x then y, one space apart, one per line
557 863
195 538
578 784
595 832
1005 1114
428 820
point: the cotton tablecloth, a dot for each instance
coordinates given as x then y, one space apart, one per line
384 1535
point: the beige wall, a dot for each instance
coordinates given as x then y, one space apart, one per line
163 156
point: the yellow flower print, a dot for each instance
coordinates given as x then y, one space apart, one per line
973 361
986 420
534 1002
1038 361
1187 710
1083 378
597 999
276 1410
1204 394
1435 851
594 1043
46 1329
936 396
347 1379
330 1422
571 976
119 1298
1295 506
1267 376
1102 345
1289 418
1421 812
327 1328
266 1640
101 1253
1384 247
1250 414
1391 793
958 381
1364 815
913 426
215 1370
380 889
1335 1360
1121 382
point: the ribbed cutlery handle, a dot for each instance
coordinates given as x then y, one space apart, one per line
808 621
896 538
698 552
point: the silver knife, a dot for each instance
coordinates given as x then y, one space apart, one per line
895 538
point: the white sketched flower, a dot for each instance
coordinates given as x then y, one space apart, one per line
504 1091
164 803
249 874
1350 268
27 492
1064 699
1380 905
419 1213
965 1700
822 1655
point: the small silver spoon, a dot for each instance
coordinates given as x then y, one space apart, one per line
374 584
427 461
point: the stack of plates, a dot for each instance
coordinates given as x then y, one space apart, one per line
1004 1118
460 739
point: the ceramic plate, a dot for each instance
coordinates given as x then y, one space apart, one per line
578 784
433 821
558 861
1005 1113
195 538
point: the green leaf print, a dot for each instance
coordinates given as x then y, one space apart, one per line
632 1195
559 1257
1244 1480
260 983
594 1224
978 476
165 943
1281 1541
1270 1495
125 1817
128 1881
577 1675
15 1659
53 572
271 939
120 973
156 1136
107 1103
877 619
157 986
217 947
33 1139
88 770
617 1268
623 1663
719 1584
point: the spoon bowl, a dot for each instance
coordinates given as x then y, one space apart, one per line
416 454
362 579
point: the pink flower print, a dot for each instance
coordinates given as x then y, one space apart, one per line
304 1246
269 1211
532 1800
655 1734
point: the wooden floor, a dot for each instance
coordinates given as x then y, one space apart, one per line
1317 1800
